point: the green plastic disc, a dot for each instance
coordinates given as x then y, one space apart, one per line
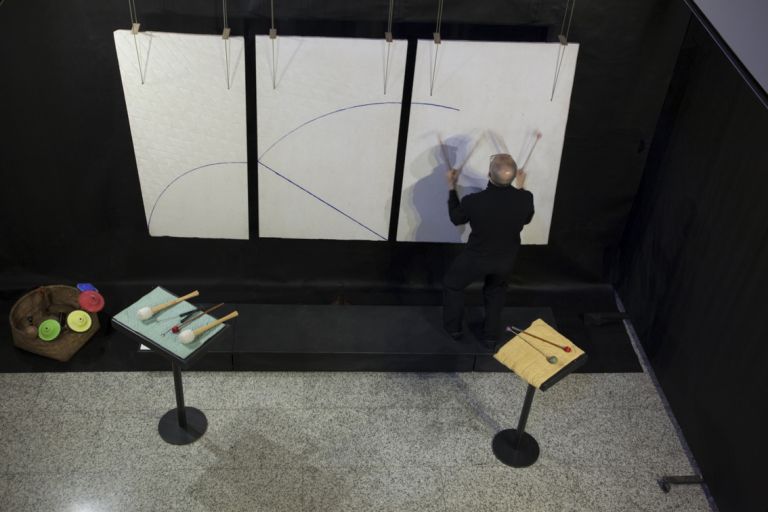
49 330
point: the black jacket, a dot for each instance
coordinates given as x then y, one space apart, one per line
496 216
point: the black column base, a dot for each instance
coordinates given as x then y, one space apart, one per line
173 433
518 455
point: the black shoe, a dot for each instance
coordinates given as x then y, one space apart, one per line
490 343
456 336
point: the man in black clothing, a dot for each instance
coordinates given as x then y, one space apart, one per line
496 216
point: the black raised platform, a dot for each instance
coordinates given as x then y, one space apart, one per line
342 337
399 338
362 338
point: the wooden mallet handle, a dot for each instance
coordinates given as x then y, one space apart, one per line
535 141
160 307
445 153
200 330
472 150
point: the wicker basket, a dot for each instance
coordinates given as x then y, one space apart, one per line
43 303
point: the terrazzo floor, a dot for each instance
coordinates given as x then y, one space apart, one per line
80 442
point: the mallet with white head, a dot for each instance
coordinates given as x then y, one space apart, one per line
188 335
147 312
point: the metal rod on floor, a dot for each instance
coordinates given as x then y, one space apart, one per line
666 482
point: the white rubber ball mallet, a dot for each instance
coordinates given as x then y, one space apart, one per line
188 335
147 312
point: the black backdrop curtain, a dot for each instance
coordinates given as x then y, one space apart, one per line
694 269
70 199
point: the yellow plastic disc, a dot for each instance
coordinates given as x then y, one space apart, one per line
79 321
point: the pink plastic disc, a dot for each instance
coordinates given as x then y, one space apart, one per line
91 301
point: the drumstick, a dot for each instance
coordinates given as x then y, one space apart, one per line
189 336
442 148
146 313
525 162
183 316
498 143
550 359
177 328
515 330
474 147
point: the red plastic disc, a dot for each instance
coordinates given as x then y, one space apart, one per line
91 301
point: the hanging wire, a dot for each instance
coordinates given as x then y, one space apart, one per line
565 15
273 36
439 22
134 30
563 37
388 39
225 36
436 35
132 10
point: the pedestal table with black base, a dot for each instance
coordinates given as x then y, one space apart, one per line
181 425
514 446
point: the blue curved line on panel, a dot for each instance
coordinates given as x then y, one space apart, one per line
302 125
376 104
280 139
177 178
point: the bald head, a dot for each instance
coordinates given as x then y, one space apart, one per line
503 170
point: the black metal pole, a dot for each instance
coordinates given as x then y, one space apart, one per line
524 414
181 412
515 447
181 425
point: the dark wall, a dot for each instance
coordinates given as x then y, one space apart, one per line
694 269
70 200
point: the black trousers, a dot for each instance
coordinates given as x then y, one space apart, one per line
469 267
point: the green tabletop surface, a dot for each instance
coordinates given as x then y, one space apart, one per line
153 328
